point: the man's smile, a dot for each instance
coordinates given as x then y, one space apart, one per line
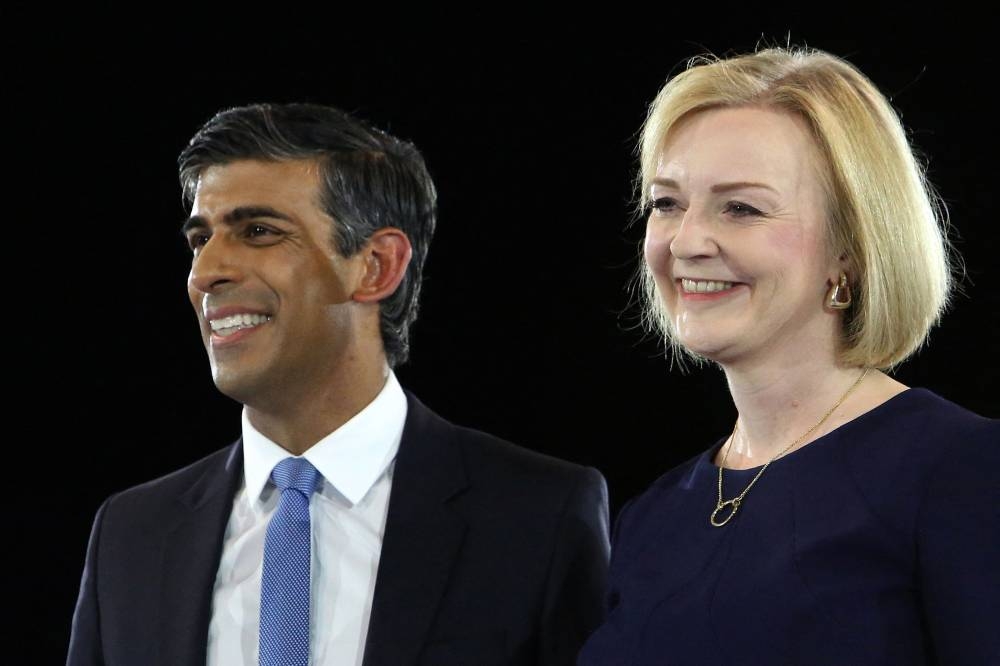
226 326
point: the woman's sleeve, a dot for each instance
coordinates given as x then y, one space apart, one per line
958 533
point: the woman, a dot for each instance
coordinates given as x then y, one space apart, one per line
848 519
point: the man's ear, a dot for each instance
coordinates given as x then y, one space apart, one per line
386 256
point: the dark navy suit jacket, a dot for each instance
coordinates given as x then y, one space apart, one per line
493 554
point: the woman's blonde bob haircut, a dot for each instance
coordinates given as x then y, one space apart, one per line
882 214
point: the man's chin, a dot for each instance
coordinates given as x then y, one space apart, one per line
240 385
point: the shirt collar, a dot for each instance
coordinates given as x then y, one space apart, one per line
351 458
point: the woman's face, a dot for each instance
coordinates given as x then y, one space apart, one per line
736 237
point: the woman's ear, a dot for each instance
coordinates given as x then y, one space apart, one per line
841 265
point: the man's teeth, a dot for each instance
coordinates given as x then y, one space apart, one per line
231 324
704 286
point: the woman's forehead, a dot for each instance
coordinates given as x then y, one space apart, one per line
732 145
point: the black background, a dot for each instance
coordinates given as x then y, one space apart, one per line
526 328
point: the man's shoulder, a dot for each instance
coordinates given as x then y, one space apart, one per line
513 459
187 483
490 459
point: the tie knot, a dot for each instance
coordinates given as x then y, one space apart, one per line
297 473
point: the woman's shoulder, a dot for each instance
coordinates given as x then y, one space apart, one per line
921 423
914 441
651 505
929 408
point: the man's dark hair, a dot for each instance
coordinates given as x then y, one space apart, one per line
370 180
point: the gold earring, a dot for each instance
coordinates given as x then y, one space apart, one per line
839 296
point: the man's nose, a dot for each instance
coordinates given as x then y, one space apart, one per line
215 266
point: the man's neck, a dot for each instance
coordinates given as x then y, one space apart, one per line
296 425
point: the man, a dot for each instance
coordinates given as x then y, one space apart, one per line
424 542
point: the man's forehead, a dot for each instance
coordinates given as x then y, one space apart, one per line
221 187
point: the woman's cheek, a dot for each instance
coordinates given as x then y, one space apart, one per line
656 250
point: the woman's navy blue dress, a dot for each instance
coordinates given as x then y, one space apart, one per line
878 543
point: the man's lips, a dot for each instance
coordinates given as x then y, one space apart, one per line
227 325
232 323
219 312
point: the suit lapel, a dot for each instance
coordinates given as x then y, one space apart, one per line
423 536
192 548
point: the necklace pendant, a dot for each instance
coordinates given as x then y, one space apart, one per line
734 506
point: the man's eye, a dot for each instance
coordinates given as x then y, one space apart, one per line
196 241
740 209
259 231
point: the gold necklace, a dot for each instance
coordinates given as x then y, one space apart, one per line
734 503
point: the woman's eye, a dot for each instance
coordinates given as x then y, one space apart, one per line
740 209
662 205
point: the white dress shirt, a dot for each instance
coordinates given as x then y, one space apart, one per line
347 511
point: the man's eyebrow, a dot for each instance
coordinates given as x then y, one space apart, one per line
720 187
193 222
235 216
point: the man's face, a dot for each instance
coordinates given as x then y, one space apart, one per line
272 295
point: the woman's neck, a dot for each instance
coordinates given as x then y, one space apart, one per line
778 404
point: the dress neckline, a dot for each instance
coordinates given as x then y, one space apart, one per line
708 457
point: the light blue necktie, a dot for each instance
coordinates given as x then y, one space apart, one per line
284 589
